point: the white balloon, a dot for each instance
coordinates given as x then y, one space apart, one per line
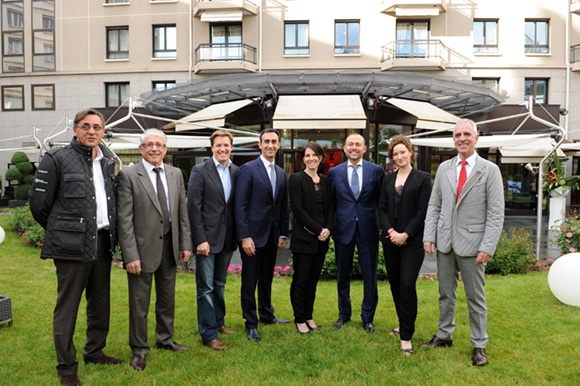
563 279
2 235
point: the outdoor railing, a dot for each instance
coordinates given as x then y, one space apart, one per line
413 49
204 1
575 52
238 52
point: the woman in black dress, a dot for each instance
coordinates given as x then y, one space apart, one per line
313 216
402 210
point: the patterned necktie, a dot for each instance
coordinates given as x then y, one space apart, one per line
162 201
273 179
462 178
354 184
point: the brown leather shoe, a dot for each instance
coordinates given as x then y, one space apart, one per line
437 342
216 345
70 380
479 357
173 346
138 362
225 330
104 360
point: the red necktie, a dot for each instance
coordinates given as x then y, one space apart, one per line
462 178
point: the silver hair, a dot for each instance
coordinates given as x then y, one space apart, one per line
468 121
155 132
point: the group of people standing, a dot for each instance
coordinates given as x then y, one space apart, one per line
85 209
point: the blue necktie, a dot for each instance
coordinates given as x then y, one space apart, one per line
273 179
354 184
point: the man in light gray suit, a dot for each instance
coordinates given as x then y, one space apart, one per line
154 237
464 222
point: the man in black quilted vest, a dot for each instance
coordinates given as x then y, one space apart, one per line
73 198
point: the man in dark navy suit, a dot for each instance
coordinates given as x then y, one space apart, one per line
356 185
261 214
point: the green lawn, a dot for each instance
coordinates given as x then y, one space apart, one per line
534 339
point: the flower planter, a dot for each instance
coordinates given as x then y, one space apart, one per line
557 208
5 310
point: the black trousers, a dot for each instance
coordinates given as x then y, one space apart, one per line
73 278
403 265
307 269
258 270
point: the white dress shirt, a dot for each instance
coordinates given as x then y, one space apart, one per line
100 191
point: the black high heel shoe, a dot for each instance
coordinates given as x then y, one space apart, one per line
317 328
303 333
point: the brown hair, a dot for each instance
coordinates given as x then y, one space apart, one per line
315 147
221 133
399 140
82 114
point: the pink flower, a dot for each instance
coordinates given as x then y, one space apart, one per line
230 268
568 241
277 268
550 260
40 244
569 234
562 229
573 229
239 267
572 249
539 264
287 268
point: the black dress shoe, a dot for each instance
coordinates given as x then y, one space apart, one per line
369 327
479 357
253 334
173 346
138 362
339 323
317 328
70 380
437 342
303 333
275 321
104 360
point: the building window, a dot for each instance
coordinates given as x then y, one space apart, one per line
346 37
485 36
536 32
412 39
118 42
42 96
492 83
296 39
538 89
226 42
165 41
160 85
12 98
116 1
43 35
12 36
116 93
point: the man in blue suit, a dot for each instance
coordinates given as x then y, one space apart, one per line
261 214
356 185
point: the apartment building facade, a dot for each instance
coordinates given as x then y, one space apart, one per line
178 56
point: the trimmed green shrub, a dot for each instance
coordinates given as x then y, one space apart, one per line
19 157
514 254
21 192
13 174
24 167
28 180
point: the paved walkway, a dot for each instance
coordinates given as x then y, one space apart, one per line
430 263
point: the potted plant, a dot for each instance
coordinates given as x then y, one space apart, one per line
20 178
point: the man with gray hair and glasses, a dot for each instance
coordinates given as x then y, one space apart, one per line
73 198
155 238
463 225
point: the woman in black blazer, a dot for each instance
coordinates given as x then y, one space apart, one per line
402 210
313 216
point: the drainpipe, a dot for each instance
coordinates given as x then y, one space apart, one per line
567 95
260 37
190 38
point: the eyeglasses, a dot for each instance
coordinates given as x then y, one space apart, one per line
87 127
150 145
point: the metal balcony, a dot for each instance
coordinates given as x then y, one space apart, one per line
409 55
224 58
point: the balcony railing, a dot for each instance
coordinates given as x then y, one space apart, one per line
413 49
575 53
207 1
238 52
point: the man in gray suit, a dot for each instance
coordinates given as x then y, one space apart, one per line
464 222
154 237
210 203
